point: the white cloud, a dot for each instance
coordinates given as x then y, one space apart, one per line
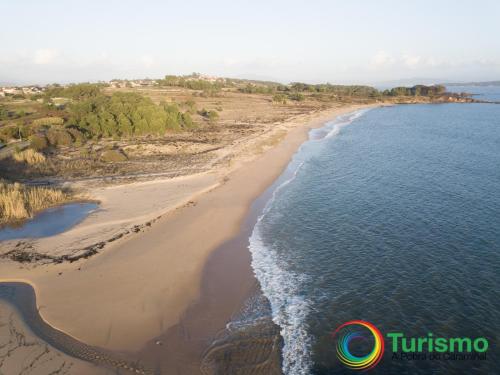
147 61
404 61
382 59
44 56
412 61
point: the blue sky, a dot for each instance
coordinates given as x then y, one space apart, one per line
313 41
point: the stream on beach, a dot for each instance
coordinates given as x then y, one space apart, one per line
22 297
49 222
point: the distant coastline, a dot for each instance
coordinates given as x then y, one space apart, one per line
477 84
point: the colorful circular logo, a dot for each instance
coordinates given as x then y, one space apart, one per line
350 331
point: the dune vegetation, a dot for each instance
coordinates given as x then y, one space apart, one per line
29 156
19 202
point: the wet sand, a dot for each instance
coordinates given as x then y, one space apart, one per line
217 333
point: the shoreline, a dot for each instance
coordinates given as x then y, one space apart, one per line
140 287
236 336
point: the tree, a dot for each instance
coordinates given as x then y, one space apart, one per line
125 114
125 125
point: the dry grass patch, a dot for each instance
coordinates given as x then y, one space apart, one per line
29 156
48 121
18 201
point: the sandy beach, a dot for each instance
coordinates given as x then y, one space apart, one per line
139 285
21 351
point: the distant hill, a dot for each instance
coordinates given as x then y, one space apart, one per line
408 82
7 84
485 83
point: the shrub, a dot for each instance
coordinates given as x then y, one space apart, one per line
29 156
187 121
4 113
279 98
297 96
77 136
9 133
59 137
38 142
191 105
211 116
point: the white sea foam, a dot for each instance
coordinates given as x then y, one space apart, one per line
282 287
289 309
343 121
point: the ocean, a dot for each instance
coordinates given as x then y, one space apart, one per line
391 216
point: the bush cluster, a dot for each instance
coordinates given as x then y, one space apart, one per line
125 114
191 82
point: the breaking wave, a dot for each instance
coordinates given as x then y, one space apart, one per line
282 286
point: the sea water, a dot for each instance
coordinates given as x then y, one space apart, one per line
392 216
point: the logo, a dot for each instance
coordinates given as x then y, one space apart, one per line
372 340
360 346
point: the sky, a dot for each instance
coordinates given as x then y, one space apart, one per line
350 41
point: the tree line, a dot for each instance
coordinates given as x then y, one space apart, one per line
417 90
339 90
194 82
191 82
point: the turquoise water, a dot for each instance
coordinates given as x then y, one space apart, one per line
392 216
50 222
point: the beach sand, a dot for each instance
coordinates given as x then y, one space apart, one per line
140 286
229 328
21 352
